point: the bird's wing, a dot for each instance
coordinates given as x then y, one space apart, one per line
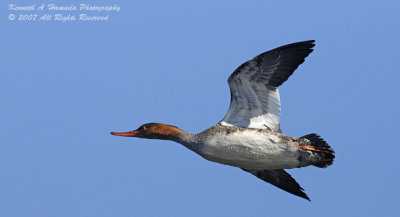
255 101
281 179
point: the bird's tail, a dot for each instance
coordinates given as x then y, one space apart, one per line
322 153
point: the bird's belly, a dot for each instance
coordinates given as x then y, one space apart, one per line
251 151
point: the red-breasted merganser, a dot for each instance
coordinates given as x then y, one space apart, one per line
249 136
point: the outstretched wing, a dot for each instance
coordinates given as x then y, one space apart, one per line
255 101
281 179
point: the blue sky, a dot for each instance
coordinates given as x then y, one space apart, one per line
65 86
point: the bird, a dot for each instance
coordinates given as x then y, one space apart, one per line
249 136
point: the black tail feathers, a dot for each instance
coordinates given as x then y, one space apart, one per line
324 154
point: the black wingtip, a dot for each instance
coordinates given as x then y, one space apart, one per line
301 194
306 42
305 197
303 45
309 44
281 179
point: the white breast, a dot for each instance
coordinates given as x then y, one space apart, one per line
250 149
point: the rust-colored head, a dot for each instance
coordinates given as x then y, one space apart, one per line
153 131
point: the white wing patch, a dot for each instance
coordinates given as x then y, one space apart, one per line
270 117
254 105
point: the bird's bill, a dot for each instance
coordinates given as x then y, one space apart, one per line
130 134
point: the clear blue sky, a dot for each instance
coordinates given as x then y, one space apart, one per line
65 86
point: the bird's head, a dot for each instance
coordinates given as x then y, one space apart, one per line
152 131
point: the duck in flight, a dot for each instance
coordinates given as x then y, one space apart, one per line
249 137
